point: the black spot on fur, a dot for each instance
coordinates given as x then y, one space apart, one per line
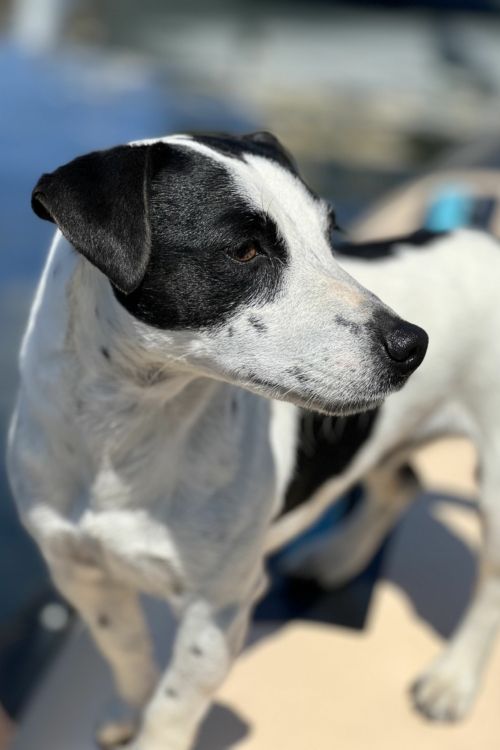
105 352
171 693
196 651
230 331
386 248
103 621
354 328
327 445
257 323
298 374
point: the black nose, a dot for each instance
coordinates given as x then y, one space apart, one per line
406 345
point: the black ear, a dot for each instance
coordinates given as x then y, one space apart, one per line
264 137
272 147
100 202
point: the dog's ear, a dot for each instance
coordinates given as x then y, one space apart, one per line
100 202
268 143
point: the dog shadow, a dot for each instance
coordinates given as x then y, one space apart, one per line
433 566
222 729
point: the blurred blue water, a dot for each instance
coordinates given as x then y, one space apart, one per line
55 108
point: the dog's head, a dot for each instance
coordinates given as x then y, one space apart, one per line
223 255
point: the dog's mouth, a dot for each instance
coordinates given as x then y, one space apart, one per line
313 402
346 409
336 408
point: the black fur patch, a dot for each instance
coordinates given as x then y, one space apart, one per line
386 248
327 445
260 144
195 217
100 203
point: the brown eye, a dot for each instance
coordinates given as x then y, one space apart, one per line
246 253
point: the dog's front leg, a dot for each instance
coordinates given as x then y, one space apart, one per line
207 642
116 621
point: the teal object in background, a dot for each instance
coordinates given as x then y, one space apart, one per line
450 208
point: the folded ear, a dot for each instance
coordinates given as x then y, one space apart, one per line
100 202
270 145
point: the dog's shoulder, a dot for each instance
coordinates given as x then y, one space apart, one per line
50 310
43 440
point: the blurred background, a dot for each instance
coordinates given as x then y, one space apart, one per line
367 95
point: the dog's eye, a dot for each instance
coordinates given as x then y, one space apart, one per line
246 253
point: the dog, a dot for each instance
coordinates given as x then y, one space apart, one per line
190 308
446 283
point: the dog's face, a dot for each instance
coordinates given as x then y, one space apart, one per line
223 257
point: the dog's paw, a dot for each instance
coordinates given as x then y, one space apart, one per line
117 727
445 692
117 734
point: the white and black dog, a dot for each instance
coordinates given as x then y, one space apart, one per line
191 282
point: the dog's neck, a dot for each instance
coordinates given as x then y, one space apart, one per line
144 428
109 343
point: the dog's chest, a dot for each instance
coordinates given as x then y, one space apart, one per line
164 505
